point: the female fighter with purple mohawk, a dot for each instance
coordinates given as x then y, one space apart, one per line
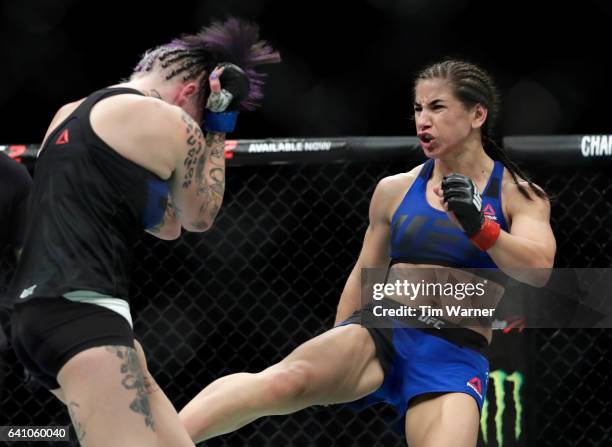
127 158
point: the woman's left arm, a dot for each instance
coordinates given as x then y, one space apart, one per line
527 251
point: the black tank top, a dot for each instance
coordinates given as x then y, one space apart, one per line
88 205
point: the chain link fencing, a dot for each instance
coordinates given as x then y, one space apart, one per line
268 276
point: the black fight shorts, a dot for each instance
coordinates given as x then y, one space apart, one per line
47 332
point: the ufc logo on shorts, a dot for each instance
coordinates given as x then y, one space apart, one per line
431 321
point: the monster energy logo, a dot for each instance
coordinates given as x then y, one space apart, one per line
498 379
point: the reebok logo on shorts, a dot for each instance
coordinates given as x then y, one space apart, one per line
476 386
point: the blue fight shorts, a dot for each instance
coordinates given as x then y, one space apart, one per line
416 362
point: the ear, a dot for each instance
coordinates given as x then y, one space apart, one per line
479 116
186 93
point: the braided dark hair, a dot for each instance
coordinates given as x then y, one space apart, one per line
194 56
472 85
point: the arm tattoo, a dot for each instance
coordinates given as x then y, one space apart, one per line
79 428
205 166
172 210
218 149
196 147
217 188
172 214
212 188
133 380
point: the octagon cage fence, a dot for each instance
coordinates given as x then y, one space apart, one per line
268 276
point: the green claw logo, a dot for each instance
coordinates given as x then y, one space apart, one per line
498 379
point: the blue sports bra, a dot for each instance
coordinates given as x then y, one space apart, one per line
421 234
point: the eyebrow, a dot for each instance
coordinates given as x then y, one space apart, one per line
432 103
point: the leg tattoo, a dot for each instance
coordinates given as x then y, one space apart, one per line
134 380
150 384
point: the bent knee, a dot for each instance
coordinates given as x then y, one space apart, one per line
289 381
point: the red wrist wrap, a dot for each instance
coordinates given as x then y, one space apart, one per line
487 236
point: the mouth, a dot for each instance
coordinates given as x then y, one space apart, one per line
426 139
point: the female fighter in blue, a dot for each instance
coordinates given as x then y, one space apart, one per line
431 216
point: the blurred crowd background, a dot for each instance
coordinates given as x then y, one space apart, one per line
347 66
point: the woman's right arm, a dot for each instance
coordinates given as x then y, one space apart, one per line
374 252
198 181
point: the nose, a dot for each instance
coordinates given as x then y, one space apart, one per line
422 121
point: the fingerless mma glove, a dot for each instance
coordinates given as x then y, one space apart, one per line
464 200
222 107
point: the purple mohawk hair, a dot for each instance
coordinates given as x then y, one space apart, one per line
235 41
